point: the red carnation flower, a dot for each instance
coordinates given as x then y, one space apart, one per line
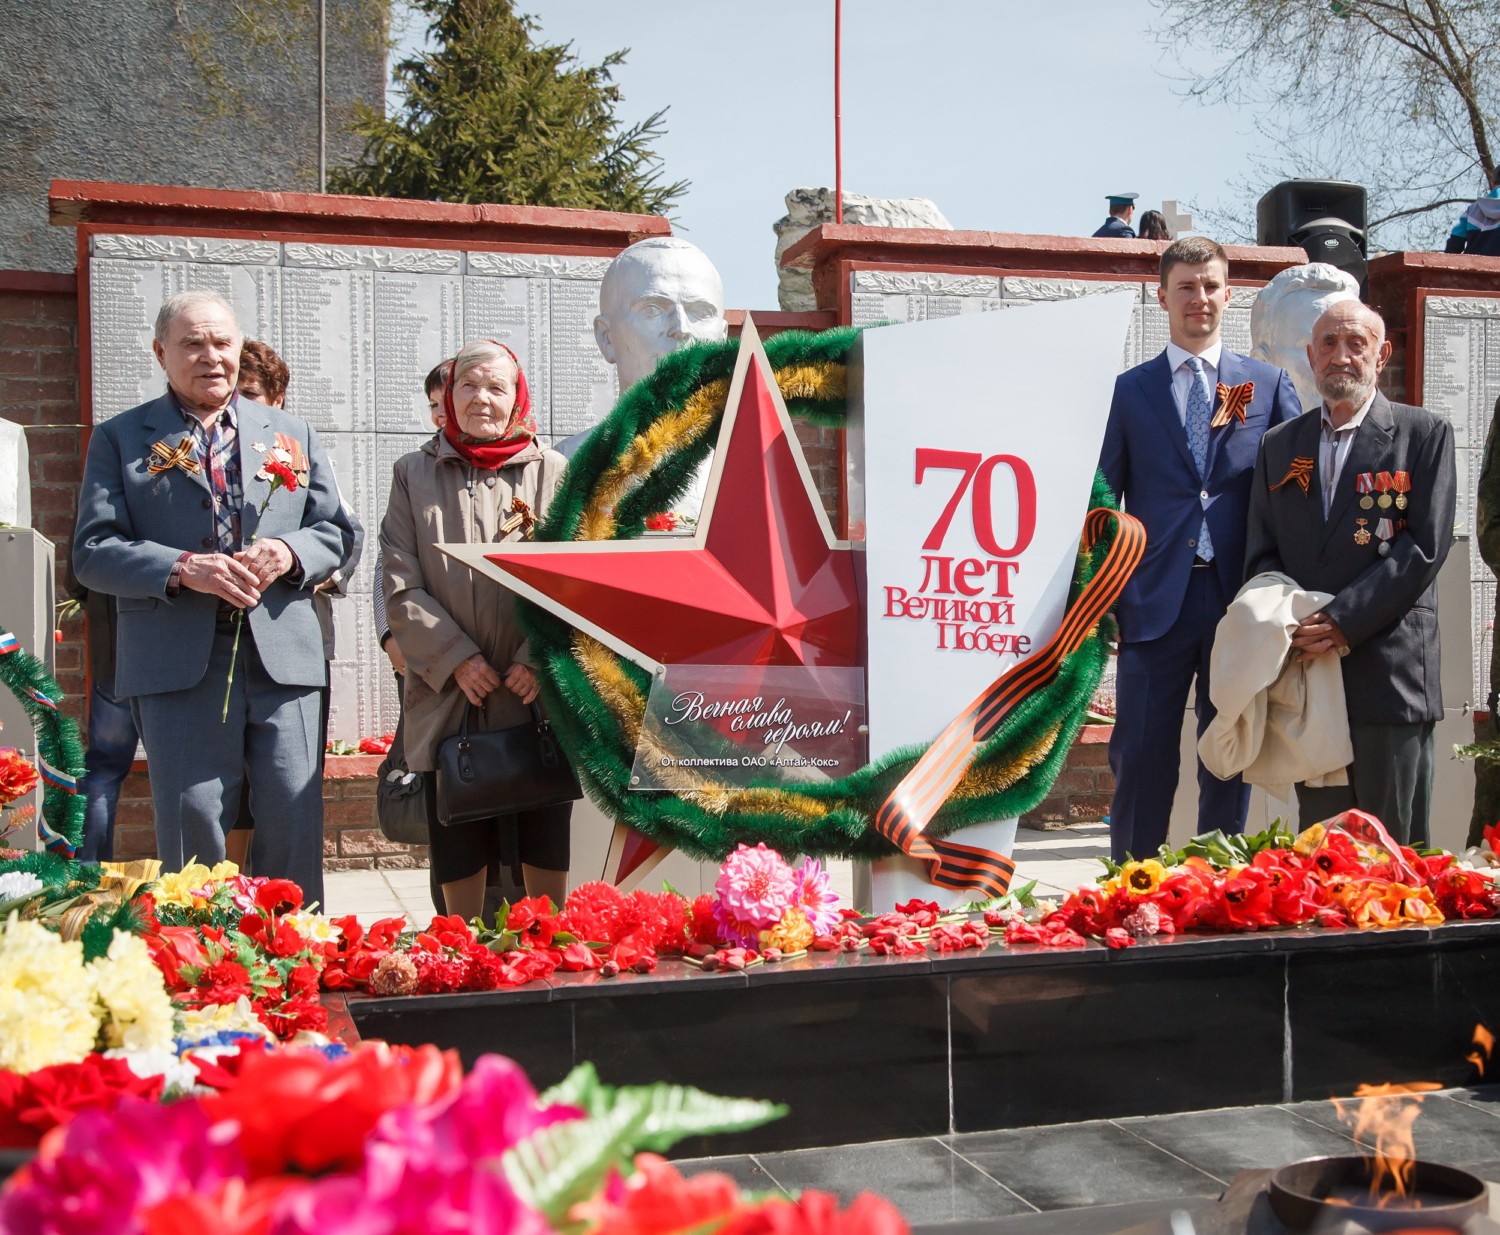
594 911
703 926
278 473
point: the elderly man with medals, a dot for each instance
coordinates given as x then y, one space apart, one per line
1356 498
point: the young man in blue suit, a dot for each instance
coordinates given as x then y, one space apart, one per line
1179 450
174 521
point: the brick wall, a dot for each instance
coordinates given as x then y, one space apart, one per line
350 840
39 390
1083 789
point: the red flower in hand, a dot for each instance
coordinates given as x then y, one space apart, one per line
280 475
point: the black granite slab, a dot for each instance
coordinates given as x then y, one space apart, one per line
744 1169
1403 1013
1223 1143
536 1033
862 1057
1082 1164
918 1177
1053 1046
866 1047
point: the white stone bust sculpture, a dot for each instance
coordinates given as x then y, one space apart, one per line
1282 317
657 296
15 482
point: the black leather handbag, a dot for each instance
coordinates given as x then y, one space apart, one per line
401 811
483 774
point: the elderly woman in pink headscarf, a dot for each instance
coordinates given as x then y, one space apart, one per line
457 629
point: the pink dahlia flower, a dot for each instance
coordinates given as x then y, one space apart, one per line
755 886
814 895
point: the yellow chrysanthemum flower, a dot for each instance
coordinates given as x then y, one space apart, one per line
1142 878
178 888
138 1010
792 934
48 1012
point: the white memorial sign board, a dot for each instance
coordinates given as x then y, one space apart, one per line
979 439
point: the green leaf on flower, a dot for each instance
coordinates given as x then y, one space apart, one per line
556 1167
561 1165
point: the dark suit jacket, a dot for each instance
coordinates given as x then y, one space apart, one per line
1116 228
132 527
1385 605
1147 462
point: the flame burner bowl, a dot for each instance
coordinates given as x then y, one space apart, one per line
1320 1191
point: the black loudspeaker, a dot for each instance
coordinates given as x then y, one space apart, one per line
1324 218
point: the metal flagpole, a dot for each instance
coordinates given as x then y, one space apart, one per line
838 113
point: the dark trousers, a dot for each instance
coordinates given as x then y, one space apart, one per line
1152 679
1390 778
112 743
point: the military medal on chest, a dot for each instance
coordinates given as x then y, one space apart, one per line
1361 532
1384 530
1384 482
1401 482
1364 484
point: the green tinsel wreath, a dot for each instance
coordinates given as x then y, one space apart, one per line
830 819
58 744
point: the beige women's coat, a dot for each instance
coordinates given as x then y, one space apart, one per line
441 612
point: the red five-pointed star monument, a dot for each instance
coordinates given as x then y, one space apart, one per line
763 581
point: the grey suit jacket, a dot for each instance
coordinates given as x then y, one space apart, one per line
1386 605
132 527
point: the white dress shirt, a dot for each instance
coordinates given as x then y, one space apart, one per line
1182 373
1333 448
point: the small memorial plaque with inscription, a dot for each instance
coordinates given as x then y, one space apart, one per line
734 726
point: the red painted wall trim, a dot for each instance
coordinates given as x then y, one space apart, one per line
75 202
38 281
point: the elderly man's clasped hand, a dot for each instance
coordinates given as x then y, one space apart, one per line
239 579
1317 635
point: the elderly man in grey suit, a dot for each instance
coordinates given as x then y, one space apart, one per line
1356 498
170 522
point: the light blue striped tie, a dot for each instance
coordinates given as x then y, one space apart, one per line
1199 413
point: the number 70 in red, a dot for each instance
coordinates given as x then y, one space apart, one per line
979 471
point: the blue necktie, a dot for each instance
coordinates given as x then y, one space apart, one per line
1198 416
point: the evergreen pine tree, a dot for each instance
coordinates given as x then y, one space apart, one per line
492 116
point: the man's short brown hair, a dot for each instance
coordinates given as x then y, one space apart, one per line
1191 251
260 363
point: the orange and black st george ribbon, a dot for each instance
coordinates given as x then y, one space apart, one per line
906 813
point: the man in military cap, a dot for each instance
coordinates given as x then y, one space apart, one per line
1121 211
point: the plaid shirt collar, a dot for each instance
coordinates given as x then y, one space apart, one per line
217 444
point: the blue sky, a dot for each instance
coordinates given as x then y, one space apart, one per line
1011 116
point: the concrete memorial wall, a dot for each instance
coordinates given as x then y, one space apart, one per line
1460 377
